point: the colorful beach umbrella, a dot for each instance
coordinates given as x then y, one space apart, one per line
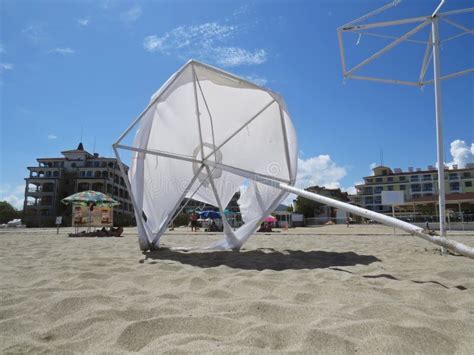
88 197
270 219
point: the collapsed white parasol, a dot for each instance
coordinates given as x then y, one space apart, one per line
201 129
205 135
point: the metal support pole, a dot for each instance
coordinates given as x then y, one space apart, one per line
393 215
439 127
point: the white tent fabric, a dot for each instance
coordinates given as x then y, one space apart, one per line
202 133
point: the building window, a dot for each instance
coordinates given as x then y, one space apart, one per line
89 173
466 175
369 200
378 189
467 183
416 195
390 179
453 176
427 187
368 180
390 187
96 164
403 187
416 187
83 173
426 177
378 199
402 178
454 186
55 173
368 191
73 165
415 178
378 180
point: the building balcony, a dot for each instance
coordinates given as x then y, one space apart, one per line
41 180
32 205
39 193
44 168
91 178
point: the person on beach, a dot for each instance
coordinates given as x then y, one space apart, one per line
348 221
194 221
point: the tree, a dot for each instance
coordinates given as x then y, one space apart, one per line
306 207
7 212
311 208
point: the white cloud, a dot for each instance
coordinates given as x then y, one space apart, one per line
234 56
242 10
372 166
321 171
351 190
52 136
257 79
35 32
83 21
6 66
132 14
153 43
14 195
2 49
107 4
462 153
63 50
205 41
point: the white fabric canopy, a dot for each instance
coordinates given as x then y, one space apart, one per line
205 135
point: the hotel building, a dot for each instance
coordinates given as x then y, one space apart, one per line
78 170
420 189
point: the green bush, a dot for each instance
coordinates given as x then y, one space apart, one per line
7 212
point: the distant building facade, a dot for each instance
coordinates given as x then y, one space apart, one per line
78 170
420 189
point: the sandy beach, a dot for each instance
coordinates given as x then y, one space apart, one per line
310 290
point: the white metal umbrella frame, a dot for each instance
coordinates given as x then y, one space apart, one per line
432 51
284 185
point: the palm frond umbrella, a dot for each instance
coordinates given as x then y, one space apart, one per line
90 198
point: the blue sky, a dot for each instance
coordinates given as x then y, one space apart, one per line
95 64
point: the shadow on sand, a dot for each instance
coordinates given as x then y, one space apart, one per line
262 259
